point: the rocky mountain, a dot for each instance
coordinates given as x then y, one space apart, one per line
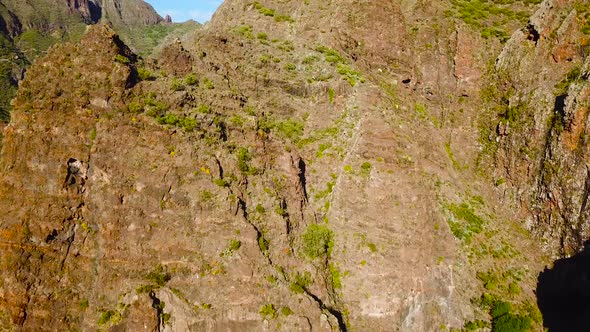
305 165
29 28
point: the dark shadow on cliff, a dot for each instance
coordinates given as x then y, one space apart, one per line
563 293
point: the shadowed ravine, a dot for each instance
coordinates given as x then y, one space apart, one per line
563 293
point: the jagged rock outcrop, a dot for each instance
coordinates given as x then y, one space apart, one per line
543 76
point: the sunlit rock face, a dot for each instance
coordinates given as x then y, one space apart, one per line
300 166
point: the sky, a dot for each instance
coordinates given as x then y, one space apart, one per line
183 10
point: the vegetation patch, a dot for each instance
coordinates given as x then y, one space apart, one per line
335 274
332 56
301 282
286 311
366 168
491 18
268 311
329 188
233 246
145 74
583 10
272 13
106 316
186 123
464 222
244 158
159 277
122 59
504 318
290 129
318 241
244 31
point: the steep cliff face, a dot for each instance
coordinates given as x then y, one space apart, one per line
295 166
89 11
541 132
131 13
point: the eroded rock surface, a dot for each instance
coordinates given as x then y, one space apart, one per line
298 166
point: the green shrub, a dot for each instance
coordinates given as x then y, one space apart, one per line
144 289
84 304
122 59
222 183
513 288
284 18
245 31
233 246
189 124
318 241
108 316
330 55
510 322
158 276
267 11
324 193
286 46
353 76
366 168
135 107
301 282
268 311
177 85
265 58
206 196
166 318
309 59
145 74
291 129
335 273
286 311
290 67
237 120
262 36
263 244
153 107
475 325
191 79
207 84
465 222
204 109
34 42
331 95
244 158
169 119
500 308
488 16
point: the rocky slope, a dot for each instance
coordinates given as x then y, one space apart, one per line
29 28
314 165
